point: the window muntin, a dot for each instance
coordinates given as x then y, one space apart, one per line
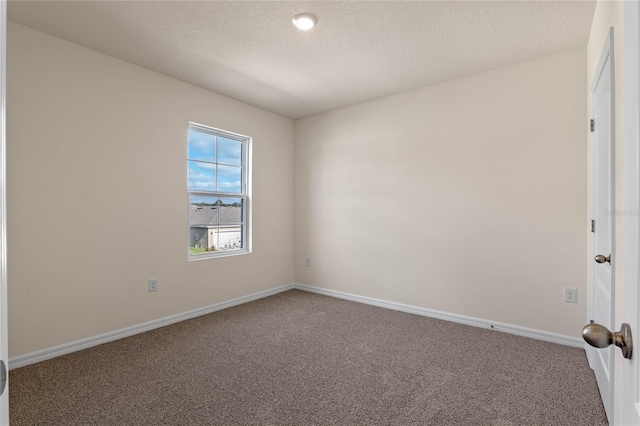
217 186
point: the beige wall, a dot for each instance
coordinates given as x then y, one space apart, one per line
467 197
96 152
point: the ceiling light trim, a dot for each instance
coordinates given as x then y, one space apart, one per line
305 21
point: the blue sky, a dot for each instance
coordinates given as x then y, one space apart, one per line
217 155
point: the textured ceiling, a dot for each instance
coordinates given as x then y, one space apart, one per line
360 50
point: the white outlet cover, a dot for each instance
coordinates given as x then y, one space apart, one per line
570 295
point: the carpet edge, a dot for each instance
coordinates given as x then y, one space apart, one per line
546 336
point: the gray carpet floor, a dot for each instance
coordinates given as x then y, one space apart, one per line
303 359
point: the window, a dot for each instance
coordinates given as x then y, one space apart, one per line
217 182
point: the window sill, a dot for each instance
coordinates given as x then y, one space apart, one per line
214 255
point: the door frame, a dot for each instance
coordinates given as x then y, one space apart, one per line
4 398
627 407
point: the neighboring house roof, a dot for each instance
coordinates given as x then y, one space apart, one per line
208 215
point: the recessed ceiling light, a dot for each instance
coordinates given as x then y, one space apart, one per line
304 21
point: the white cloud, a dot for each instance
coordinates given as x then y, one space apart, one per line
199 184
235 184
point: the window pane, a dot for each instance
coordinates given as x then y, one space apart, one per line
230 211
230 179
229 151
202 176
202 146
230 238
203 224
230 235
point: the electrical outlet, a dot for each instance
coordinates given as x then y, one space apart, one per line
307 261
571 295
153 284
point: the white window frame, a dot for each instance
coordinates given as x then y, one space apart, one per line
245 195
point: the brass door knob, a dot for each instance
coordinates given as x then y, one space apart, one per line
601 258
599 336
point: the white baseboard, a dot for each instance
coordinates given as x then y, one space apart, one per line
476 322
67 348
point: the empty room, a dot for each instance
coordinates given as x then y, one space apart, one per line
324 212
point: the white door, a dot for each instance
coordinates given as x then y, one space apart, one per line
628 402
602 208
4 385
